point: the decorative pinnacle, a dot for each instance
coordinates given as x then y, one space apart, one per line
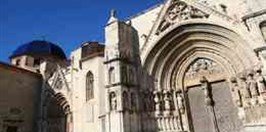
113 13
112 16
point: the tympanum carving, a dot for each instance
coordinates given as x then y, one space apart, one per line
203 67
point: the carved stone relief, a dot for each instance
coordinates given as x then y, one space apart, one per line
249 95
169 106
113 101
179 11
203 67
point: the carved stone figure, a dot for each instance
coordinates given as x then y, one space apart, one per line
180 102
206 89
202 67
245 91
167 102
113 101
157 102
252 84
236 92
261 83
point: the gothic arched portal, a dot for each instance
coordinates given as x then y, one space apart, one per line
192 65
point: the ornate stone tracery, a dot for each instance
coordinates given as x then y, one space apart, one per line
179 11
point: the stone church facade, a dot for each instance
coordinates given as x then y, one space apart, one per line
180 66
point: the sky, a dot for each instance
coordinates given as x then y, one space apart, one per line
64 22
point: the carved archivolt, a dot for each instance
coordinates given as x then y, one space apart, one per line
186 54
179 11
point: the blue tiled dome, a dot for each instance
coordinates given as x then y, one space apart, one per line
39 47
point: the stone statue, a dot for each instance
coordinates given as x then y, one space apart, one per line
207 92
180 102
252 84
245 91
113 101
157 102
261 83
236 93
167 102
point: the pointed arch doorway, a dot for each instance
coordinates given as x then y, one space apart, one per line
209 98
178 61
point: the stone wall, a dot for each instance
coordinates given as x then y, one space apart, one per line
19 97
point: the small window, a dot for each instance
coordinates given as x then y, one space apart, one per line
18 62
27 61
89 86
37 62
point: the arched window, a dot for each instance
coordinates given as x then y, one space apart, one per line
111 75
263 29
89 86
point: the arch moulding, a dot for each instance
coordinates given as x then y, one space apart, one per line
167 59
